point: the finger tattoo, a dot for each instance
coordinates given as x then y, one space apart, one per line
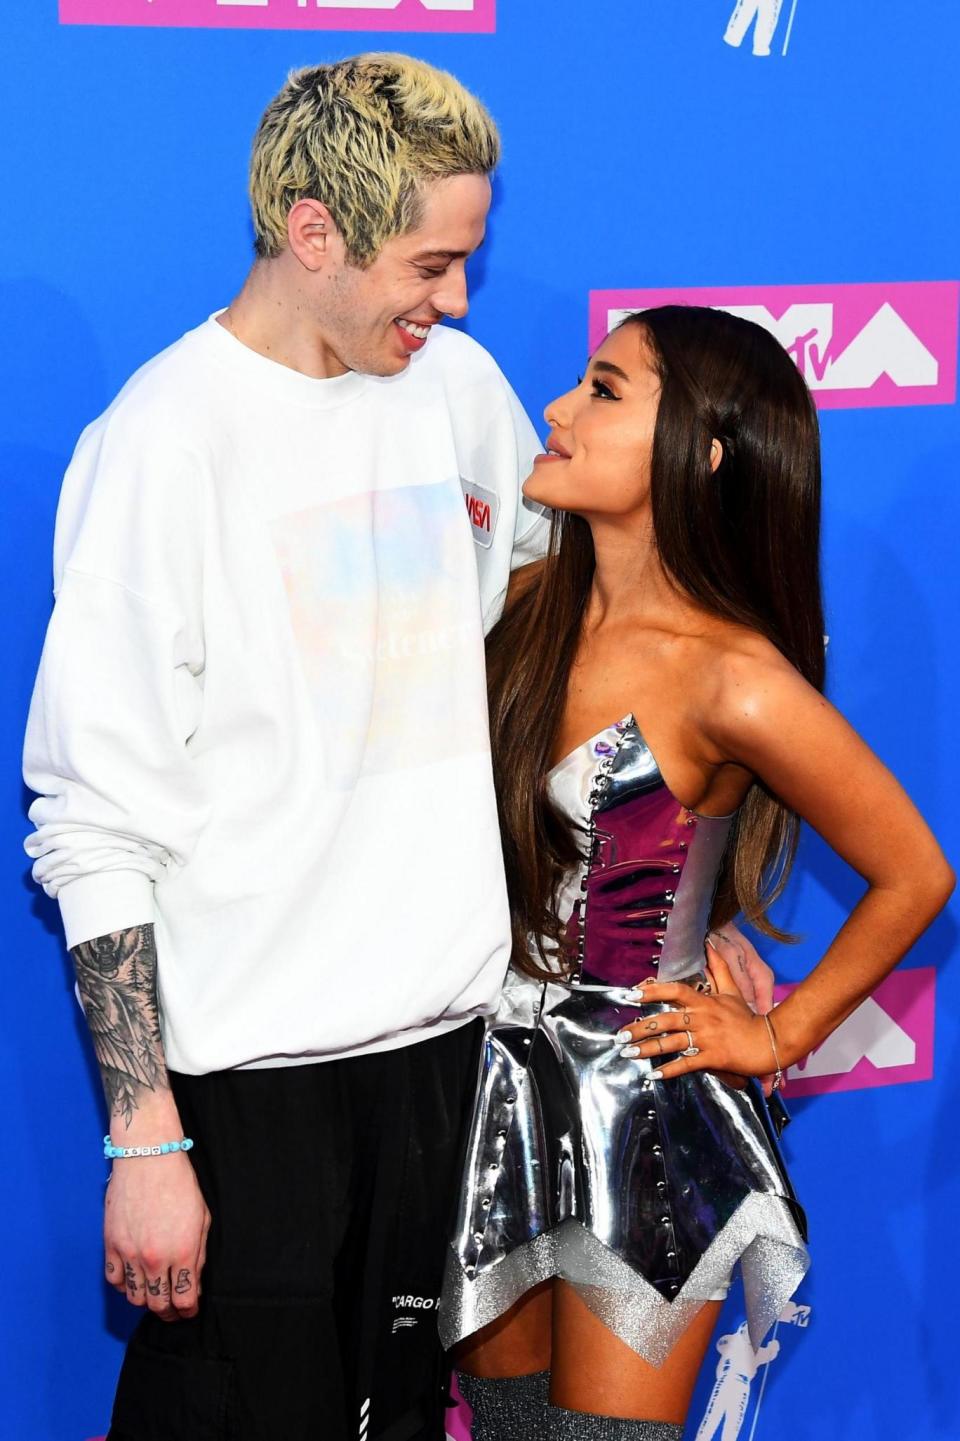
154 1286
130 1276
651 1025
686 1018
110 1268
183 1282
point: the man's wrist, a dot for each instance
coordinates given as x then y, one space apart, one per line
149 1126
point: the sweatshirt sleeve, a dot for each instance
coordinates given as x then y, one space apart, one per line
119 692
533 521
500 459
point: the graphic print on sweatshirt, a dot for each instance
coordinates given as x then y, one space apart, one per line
386 628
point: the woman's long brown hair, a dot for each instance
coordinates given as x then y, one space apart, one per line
742 541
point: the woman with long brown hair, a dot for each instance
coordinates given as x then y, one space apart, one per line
659 729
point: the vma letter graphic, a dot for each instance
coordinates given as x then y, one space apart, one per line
855 345
449 16
887 1041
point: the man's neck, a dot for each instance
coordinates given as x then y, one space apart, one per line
272 316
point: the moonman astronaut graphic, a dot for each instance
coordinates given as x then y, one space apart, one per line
766 13
737 1367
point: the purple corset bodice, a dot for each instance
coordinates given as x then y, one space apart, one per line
639 907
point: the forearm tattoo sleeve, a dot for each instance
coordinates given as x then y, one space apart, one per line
117 978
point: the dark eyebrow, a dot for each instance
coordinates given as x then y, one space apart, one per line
607 369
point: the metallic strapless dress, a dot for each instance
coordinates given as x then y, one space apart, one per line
641 1194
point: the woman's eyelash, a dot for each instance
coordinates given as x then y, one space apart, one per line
599 389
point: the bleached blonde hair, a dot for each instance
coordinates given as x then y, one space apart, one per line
363 136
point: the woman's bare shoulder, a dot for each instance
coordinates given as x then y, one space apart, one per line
748 685
736 666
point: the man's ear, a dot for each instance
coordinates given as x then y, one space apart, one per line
716 454
312 235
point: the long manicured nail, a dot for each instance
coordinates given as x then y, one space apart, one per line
630 1053
622 1036
638 993
656 1075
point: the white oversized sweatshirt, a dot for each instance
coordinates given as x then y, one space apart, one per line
260 719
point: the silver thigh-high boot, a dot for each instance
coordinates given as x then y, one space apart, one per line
508 1408
583 1426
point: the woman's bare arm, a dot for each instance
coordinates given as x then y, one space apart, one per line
768 719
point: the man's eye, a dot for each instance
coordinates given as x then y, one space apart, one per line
432 274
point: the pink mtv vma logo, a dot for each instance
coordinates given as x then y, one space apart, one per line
448 16
886 1042
855 345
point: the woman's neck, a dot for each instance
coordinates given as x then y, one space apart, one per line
629 580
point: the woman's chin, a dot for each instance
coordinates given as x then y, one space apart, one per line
541 492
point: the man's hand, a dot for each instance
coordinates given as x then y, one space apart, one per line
752 976
155 1234
155 1218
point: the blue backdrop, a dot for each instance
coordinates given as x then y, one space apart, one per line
641 150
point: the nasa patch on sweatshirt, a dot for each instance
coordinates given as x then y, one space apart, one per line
483 507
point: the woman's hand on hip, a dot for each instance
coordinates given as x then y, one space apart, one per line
711 1030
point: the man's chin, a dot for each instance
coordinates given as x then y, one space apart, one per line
384 366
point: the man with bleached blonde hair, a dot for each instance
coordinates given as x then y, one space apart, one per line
265 802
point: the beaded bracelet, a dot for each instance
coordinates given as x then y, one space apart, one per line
121 1153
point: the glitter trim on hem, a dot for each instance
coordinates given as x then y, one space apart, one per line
761 1235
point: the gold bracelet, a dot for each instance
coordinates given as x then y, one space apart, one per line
778 1077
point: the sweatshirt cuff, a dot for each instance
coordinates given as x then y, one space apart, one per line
99 905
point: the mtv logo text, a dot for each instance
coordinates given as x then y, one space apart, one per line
886 1042
855 345
447 16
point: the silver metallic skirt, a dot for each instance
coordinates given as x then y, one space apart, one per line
641 1194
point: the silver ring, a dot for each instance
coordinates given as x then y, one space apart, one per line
691 1049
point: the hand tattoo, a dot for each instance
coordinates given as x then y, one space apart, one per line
154 1286
110 1268
183 1282
130 1276
117 978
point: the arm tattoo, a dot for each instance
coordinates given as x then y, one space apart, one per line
117 978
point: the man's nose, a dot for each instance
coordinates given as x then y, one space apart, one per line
451 298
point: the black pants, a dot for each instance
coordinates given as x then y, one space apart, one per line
331 1188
